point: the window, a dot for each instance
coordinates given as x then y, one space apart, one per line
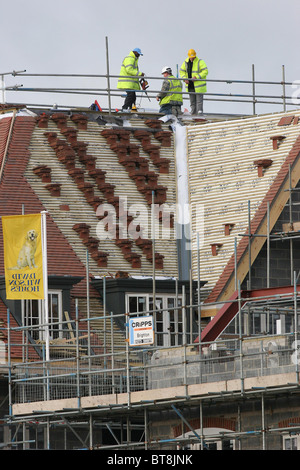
224 444
137 304
168 318
55 313
209 442
256 323
291 442
33 310
34 315
274 322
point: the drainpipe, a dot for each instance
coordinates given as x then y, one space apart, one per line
183 228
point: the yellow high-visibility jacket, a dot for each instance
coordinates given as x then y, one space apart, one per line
129 74
199 70
173 95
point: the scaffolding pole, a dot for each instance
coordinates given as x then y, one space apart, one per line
245 98
131 408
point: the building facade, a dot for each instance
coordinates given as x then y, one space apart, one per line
213 263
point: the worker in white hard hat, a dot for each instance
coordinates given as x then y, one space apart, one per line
170 96
194 71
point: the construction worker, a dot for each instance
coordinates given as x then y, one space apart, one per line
196 70
129 78
170 96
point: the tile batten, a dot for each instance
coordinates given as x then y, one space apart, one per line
226 165
105 180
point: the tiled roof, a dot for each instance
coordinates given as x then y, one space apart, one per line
4 133
15 192
37 165
67 166
231 163
77 165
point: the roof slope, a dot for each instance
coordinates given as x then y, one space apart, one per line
234 166
76 166
69 166
16 192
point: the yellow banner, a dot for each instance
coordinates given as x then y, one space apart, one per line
23 259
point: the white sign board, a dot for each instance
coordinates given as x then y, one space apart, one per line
141 331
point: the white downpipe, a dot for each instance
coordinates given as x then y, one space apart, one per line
45 281
182 175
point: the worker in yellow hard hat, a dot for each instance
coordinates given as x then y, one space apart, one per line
194 71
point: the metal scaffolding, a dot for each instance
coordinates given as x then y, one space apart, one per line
80 370
93 385
108 91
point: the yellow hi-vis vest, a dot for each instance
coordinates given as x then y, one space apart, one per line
199 71
129 74
174 94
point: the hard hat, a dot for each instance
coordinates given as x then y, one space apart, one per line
138 50
192 53
166 69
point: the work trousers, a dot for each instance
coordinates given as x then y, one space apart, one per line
129 100
170 109
196 101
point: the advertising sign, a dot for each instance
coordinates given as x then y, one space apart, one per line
141 331
23 258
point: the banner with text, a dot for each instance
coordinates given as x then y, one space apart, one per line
23 256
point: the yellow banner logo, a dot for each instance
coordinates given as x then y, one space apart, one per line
23 258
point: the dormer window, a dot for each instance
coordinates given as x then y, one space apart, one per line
168 318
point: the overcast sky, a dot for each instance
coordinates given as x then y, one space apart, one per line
68 36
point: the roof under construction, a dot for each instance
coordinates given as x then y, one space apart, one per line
224 181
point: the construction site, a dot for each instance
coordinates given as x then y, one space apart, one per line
173 261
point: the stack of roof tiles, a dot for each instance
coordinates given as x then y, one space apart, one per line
75 169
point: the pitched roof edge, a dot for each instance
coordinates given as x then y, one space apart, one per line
17 156
6 129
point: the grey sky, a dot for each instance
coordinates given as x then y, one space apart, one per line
68 36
